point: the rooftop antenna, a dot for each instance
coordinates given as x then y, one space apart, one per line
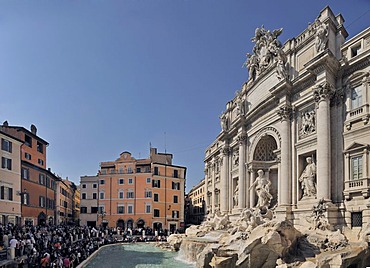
165 145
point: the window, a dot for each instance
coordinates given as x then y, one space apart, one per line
83 210
111 171
101 210
6 193
25 173
356 171
156 197
175 199
130 194
95 186
130 209
95 195
356 219
175 185
42 201
355 50
156 213
156 172
102 182
40 161
6 145
120 170
121 181
356 97
42 179
138 170
103 171
148 194
121 194
65 204
130 181
129 170
101 196
175 173
156 183
28 140
147 208
83 186
94 209
148 180
175 214
121 209
40 147
6 163
83 196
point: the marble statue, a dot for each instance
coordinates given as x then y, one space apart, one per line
235 159
307 178
224 122
265 52
236 194
322 37
281 68
262 188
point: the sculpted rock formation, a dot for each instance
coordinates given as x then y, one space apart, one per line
257 239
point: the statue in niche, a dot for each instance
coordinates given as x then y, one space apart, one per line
236 194
322 37
307 123
262 188
307 178
235 159
224 122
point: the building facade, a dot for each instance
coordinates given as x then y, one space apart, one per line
136 193
10 180
65 193
89 200
38 184
196 204
298 129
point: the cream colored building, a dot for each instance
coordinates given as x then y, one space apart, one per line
197 199
89 200
303 119
10 180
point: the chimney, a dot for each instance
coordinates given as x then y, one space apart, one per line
33 129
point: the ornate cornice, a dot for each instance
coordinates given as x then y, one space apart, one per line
323 92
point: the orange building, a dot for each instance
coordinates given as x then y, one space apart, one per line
38 184
135 193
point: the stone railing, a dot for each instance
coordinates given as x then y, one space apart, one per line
364 109
357 184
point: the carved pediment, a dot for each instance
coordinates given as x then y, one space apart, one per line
356 146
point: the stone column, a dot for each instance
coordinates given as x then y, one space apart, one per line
206 189
322 95
213 199
285 113
224 180
242 183
252 194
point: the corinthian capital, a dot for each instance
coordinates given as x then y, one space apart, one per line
285 112
242 138
323 92
225 151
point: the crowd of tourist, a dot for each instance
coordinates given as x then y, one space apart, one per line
65 246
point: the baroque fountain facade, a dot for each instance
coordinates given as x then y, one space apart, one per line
287 178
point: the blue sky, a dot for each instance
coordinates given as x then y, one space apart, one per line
101 77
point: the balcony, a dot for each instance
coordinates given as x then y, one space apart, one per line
361 113
357 187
